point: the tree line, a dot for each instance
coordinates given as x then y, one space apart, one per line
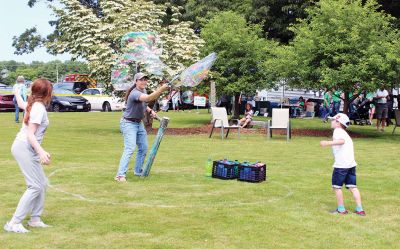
10 70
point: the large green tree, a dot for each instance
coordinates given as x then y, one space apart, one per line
241 51
83 33
343 43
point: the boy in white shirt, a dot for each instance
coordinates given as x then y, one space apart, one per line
344 167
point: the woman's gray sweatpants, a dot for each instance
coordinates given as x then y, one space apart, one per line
33 198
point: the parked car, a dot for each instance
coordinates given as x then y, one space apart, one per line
6 102
74 87
65 100
101 101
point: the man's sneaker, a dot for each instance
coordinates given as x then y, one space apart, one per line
361 213
138 173
337 212
15 228
39 224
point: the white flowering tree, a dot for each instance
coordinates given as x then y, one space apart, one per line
96 38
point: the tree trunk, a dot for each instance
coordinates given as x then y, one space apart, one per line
236 113
346 103
213 94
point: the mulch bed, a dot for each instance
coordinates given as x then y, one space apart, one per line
205 129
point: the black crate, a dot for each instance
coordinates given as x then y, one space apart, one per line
252 173
226 170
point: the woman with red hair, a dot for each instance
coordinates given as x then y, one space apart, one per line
29 154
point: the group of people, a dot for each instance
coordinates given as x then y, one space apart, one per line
379 105
29 153
174 97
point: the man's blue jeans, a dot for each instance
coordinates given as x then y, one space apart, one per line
336 108
134 134
16 110
328 112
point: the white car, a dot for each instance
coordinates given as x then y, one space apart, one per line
101 101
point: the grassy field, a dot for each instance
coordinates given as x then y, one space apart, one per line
178 207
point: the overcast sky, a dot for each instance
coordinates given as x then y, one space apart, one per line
15 17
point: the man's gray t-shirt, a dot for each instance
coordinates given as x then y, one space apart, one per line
134 107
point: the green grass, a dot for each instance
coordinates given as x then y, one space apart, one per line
177 207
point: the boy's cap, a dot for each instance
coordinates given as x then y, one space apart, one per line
139 76
341 118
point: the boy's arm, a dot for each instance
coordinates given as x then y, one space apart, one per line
325 143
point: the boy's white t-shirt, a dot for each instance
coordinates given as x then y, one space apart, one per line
38 115
343 154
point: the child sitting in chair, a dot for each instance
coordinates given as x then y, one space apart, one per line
248 116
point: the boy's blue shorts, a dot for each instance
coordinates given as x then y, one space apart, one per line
344 176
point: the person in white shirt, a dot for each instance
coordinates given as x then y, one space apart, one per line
344 167
20 85
381 99
175 99
29 154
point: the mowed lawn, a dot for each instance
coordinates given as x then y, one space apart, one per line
178 207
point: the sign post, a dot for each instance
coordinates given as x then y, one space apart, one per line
199 101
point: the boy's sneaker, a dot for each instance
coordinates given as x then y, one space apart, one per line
39 224
15 228
337 212
361 213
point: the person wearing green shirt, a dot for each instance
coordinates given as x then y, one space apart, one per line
327 104
336 100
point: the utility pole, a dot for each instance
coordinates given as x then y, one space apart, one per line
57 72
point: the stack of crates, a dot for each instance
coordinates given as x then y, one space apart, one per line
225 169
255 172
248 172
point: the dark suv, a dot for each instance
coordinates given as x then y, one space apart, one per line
74 87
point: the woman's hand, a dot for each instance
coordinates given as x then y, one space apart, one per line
44 157
153 114
164 87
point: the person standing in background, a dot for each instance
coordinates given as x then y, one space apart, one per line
20 85
175 99
381 98
336 101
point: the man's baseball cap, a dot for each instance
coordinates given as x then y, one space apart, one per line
139 76
341 118
20 79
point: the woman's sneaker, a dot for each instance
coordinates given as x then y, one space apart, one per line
15 228
39 224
